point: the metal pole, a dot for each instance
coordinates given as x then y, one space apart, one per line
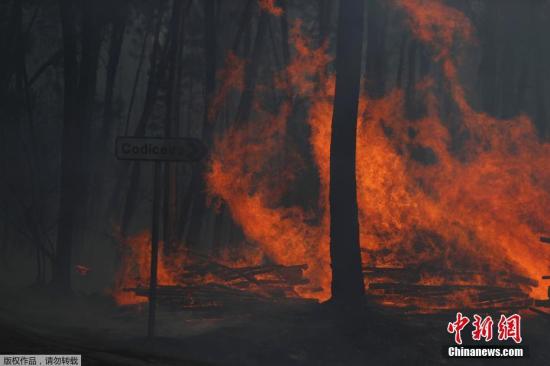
154 251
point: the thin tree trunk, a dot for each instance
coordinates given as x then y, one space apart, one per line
197 183
91 38
156 74
243 23
489 64
376 60
411 103
115 48
172 103
251 73
401 65
118 28
325 11
70 156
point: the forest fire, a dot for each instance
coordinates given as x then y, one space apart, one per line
454 208
275 182
188 278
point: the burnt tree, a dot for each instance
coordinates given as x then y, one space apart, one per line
347 277
198 187
69 186
80 79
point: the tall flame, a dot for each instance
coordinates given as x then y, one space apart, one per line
475 208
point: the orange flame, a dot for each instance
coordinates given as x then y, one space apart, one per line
232 78
270 7
478 209
467 215
135 269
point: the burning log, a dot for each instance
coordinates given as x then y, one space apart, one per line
427 289
291 275
413 275
545 239
208 296
226 285
440 297
403 274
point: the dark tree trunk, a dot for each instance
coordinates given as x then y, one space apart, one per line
401 64
122 173
156 74
172 103
70 156
117 37
324 19
198 187
347 277
251 74
284 33
243 23
104 138
91 37
79 92
376 60
489 64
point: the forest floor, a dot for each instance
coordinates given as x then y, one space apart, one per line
36 322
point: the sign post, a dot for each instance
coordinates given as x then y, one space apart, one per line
154 251
157 150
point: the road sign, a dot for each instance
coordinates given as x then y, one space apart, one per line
159 149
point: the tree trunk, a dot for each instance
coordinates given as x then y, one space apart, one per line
489 64
172 103
156 74
376 61
70 152
325 7
197 182
104 139
401 64
91 38
115 47
347 277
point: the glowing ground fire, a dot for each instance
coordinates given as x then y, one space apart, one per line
477 209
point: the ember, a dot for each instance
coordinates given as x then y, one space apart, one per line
82 270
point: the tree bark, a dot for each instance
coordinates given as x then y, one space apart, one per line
70 156
347 277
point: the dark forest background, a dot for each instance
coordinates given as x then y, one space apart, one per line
76 74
